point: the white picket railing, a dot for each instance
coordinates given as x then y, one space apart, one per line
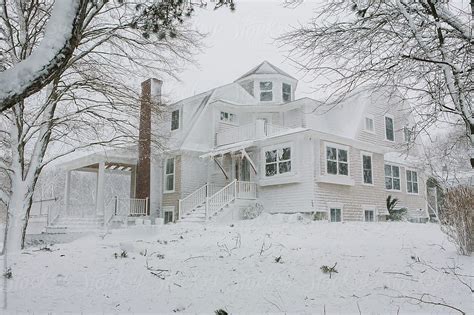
221 199
131 206
236 134
249 132
272 130
196 198
246 190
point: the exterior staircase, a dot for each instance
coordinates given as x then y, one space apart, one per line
63 225
207 202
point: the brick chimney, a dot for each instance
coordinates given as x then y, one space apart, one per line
151 94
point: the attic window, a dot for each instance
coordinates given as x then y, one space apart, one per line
369 124
228 117
286 92
266 91
248 86
175 120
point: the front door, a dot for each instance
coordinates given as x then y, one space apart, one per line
242 170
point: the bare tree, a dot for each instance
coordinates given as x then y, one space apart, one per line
90 102
457 218
421 48
63 34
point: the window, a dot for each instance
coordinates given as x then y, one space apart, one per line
337 162
286 92
266 91
336 214
412 182
175 120
407 134
392 177
369 215
248 86
369 124
169 174
228 117
277 161
367 168
389 134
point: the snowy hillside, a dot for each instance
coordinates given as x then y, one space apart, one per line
271 264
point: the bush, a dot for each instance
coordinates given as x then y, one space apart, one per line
457 218
252 211
398 214
320 216
395 214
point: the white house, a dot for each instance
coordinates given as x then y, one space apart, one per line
251 141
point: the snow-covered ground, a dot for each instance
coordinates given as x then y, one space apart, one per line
194 268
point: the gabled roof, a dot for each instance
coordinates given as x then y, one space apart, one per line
265 68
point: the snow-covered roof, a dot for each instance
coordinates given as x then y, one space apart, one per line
401 158
265 68
342 119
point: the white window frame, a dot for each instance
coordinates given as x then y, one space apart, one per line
291 160
165 190
410 132
369 208
265 91
283 93
179 120
385 127
399 173
227 120
337 147
371 117
335 205
362 154
417 181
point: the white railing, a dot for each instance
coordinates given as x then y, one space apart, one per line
196 198
248 132
221 199
131 206
236 134
272 130
246 190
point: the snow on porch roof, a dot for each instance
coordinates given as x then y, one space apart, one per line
116 158
234 147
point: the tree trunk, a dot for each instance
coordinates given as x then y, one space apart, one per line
17 217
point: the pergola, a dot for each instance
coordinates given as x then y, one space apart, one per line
114 160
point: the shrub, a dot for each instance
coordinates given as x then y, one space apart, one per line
252 211
320 216
457 217
395 214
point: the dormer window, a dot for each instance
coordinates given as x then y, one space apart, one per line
175 120
369 124
266 91
228 117
286 92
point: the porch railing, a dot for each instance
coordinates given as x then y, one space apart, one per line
221 199
248 132
246 190
236 134
196 198
130 206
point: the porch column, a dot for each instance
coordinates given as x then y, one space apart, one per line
133 181
260 129
67 191
100 198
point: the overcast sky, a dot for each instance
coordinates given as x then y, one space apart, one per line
238 41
